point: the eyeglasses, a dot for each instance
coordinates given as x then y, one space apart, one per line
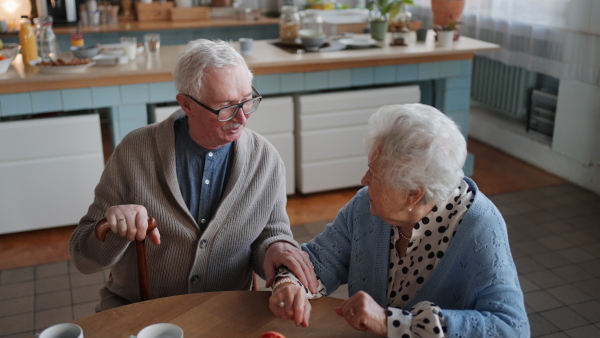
227 113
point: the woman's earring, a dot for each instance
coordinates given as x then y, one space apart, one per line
410 209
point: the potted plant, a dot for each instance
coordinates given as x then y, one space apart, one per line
445 33
383 11
447 11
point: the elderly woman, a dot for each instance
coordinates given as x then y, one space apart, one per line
423 251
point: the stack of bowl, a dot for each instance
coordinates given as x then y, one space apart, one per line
8 52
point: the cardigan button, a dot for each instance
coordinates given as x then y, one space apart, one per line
195 279
202 243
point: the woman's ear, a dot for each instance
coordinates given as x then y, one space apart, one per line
184 103
415 196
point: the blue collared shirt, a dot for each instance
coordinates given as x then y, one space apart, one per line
202 174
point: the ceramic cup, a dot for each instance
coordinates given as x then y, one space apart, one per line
129 44
161 330
64 330
421 34
246 45
445 38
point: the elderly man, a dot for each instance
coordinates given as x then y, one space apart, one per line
216 190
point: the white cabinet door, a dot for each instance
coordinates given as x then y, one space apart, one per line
48 171
330 130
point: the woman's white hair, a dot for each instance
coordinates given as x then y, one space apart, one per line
198 55
420 147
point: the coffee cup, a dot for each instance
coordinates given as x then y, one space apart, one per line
246 45
161 330
64 330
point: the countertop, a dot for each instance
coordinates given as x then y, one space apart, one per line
265 59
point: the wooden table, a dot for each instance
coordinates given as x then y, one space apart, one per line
217 314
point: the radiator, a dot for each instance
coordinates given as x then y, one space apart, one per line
505 88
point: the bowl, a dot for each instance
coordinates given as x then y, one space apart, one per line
10 50
4 64
311 39
84 52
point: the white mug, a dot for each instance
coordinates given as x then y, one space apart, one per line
161 330
64 330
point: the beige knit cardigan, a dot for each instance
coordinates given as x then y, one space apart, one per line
141 171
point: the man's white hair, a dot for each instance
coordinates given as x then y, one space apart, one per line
199 55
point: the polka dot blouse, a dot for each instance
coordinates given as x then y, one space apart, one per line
430 239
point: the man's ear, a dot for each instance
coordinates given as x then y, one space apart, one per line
184 103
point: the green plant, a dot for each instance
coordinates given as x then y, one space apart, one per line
386 10
451 26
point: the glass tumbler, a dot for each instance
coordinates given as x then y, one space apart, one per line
152 43
129 44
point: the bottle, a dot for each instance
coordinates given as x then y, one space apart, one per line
48 47
289 24
28 41
313 23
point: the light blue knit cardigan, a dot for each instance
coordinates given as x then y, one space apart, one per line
475 284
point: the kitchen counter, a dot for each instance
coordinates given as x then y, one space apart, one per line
265 59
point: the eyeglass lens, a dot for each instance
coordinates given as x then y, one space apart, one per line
249 107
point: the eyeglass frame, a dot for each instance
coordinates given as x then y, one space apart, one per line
239 105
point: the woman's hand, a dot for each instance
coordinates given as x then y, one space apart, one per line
131 221
363 313
295 305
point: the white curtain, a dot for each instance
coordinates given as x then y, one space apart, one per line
560 38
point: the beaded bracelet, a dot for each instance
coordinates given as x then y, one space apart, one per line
284 281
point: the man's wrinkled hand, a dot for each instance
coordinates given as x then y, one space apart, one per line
284 253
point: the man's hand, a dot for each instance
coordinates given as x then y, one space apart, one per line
284 253
131 221
295 305
363 313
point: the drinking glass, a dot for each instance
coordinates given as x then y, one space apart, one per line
129 44
152 43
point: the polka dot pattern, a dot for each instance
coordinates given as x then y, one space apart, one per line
430 239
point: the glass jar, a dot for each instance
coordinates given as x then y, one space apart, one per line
48 46
28 41
289 24
312 22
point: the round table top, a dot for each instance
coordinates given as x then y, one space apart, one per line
217 314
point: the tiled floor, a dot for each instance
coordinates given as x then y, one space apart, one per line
554 234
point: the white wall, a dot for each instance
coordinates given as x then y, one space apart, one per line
573 154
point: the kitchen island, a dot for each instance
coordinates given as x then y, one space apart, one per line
296 87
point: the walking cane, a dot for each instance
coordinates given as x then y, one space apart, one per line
102 228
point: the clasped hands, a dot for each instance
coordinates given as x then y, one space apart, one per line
131 221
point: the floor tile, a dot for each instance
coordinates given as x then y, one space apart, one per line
584 332
506 198
575 255
592 248
51 284
299 230
515 236
551 260
534 231
16 306
16 324
16 290
540 326
52 269
506 210
568 294
555 242
555 335
545 279
564 212
593 267
541 301
46 318
527 265
588 310
559 227
78 280
16 275
590 287
582 222
564 318
527 285
579 238
544 203
86 294
572 273
52 300
531 247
